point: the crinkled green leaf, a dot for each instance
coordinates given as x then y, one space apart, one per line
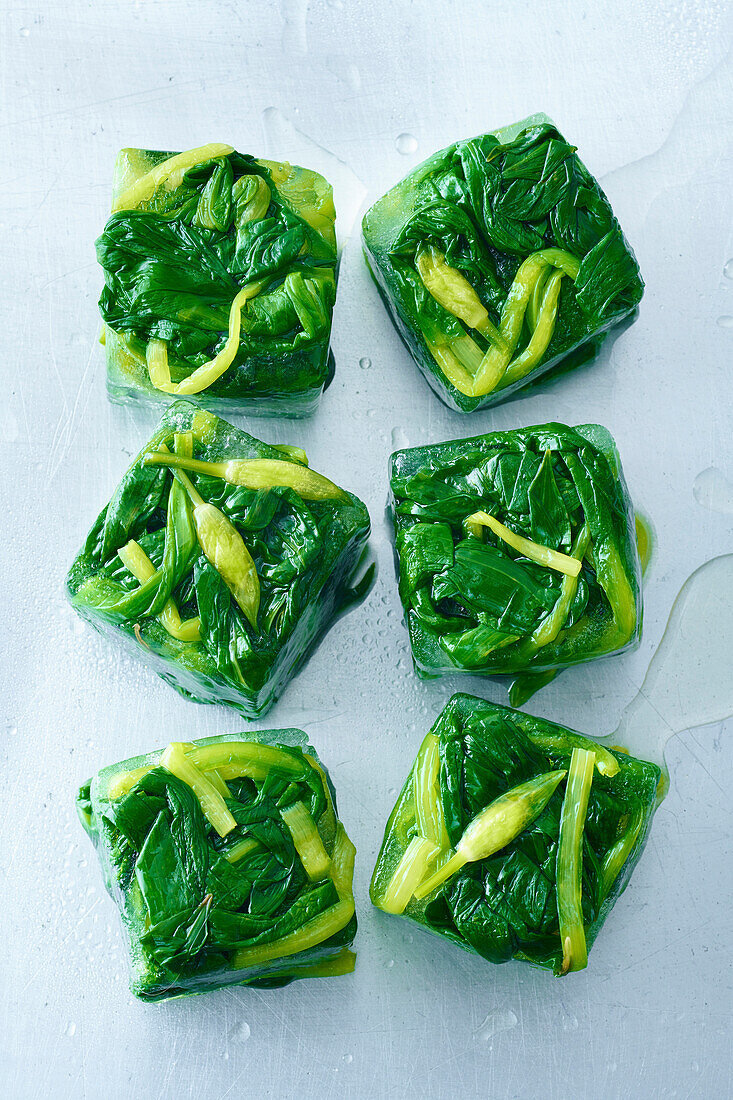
548 518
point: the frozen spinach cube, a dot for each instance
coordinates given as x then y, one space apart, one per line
517 551
227 862
499 259
514 836
220 280
221 560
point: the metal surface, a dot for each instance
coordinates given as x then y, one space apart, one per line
362 92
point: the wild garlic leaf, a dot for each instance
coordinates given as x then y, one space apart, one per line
548 517
483 579
608 278
425 549
162 874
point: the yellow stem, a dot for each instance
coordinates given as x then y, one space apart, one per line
156 357
208 373
134 558
212 804
535 551
307 841
320 928
170 173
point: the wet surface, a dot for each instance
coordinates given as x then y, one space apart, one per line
362 92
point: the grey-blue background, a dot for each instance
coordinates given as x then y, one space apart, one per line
361 91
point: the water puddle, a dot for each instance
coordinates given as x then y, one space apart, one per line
688 682
284 141
650 175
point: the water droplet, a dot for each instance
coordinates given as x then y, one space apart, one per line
71 1030
11 729
678 693
406 144
392 792
725 322
240 1032
497 1021
728 270
713 490
399 439
24 32
348 1058
365 363
389 964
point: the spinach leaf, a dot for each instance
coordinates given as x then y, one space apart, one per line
548 518
483 579
425 549
607 279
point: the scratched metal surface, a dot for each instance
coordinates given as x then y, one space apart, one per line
362 91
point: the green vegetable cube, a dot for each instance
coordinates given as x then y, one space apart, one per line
227 861
220 560
220 280
499 259
517 551
512 836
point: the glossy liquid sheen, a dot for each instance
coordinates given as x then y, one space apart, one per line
688 682
644 540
